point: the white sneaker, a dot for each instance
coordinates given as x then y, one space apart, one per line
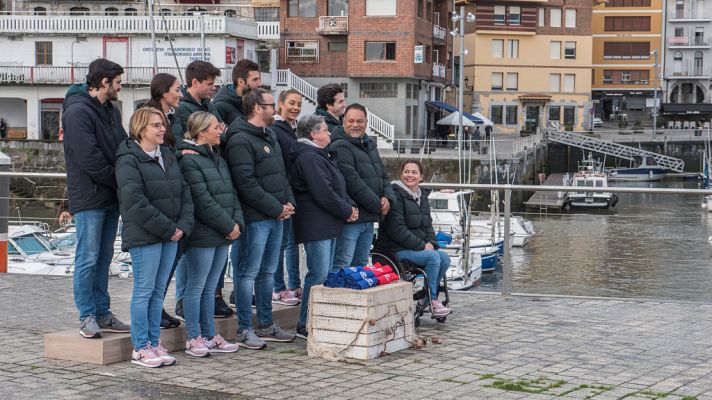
218 344
197 347
285 297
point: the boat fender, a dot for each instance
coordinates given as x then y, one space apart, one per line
614 200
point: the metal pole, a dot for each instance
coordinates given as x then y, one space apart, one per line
506 259
655 92
460 87
5 163
153 36
71 58
202 36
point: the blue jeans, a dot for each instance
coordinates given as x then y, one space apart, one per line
181 276
96 233
320 258
290 251
234 250
436 263
206 264
259 247
353 246
151 266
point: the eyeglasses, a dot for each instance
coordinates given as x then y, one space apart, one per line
266 105
157 125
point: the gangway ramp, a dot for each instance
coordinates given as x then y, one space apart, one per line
614 149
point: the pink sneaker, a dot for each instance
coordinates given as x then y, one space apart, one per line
163 354
197 347
298 292
439 310
219 345
285 297
146 358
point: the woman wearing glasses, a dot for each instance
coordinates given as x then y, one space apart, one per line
157 211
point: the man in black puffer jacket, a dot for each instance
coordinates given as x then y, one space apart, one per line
330 105
255 160
228 101
366 182
93 131
200 80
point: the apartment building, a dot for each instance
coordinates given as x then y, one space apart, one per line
625 35
529 63
392 56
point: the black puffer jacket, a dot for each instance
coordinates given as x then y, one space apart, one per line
320 191
257 170
228 103
330 120
408 226
287 137
92 133
153 202
366 178
217 208
188 105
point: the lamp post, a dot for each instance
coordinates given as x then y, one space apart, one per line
460 31
654 53
71 55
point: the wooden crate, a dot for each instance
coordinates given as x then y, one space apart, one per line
360 324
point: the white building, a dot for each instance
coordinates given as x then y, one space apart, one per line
47 46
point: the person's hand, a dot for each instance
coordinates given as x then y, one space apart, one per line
429 246
354 215
188 151
177 235
65 218
235 233
287 211
222 127
385 206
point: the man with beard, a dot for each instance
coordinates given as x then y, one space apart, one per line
228 101
92 133
257 168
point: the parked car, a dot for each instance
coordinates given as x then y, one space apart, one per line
597 122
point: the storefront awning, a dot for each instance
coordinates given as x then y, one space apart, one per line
449 108
686 109
539 97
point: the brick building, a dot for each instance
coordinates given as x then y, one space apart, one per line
392 56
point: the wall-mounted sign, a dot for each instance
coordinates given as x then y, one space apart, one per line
418 54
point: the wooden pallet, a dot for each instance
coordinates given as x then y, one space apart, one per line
115 347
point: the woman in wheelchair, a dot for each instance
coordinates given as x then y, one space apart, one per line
407 232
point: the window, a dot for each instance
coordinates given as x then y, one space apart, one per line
515 15
420 8
679 32
511 115
267 14
338 8
569 83
164 11
380 51
379 90
570 18
513 49
625 77
555 50
130 11
43 53
554 82
345 88
607 77
512 80
380 7
629 24
230 13
78 11
628 77
414 117
570 50
497 45
626 50
542 16
555 17
429 11
338 46
497 80
302 51
499 12
407 121
554 114
569 115
628 3
111 11
302 8
496 114
40 11
408 92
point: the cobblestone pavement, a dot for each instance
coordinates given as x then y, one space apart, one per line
491 348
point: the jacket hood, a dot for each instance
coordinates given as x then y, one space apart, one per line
398 186
303 148
227 93
202 149
129 146
241 124
189 98
79 93
327 116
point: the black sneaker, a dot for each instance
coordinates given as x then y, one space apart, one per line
170 322
221 308
179 310
165 324
231 300
302 332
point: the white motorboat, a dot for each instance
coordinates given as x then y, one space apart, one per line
646 170
590 174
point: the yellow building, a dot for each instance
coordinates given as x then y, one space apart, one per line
625 34
528 65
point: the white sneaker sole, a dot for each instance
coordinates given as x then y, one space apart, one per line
138 362
225 351
190 353
96 335
252 347
284 303
274 339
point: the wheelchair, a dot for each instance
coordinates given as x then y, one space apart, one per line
409 272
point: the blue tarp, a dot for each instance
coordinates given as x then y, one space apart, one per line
448 107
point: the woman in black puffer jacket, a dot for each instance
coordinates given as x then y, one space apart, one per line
157 211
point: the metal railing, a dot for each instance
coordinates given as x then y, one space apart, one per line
268 30
66 75
439 70
334 25
688 41
439 33
507 148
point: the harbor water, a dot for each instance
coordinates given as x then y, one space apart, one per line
648 246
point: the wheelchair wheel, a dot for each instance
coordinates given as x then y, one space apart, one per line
440 319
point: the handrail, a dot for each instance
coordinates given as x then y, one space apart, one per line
67 75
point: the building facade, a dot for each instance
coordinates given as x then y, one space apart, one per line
626 34
528 64
391 56
48 46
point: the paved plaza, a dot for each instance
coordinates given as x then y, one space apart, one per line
491 348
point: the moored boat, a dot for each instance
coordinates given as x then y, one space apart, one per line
646 170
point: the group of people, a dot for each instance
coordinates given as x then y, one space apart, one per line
198 177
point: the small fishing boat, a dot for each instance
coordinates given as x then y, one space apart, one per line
590 174
645 170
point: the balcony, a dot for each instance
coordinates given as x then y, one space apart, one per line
439 34
126 24
438 71
333 25
691 73
49 75
685 42
268 30
689 16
